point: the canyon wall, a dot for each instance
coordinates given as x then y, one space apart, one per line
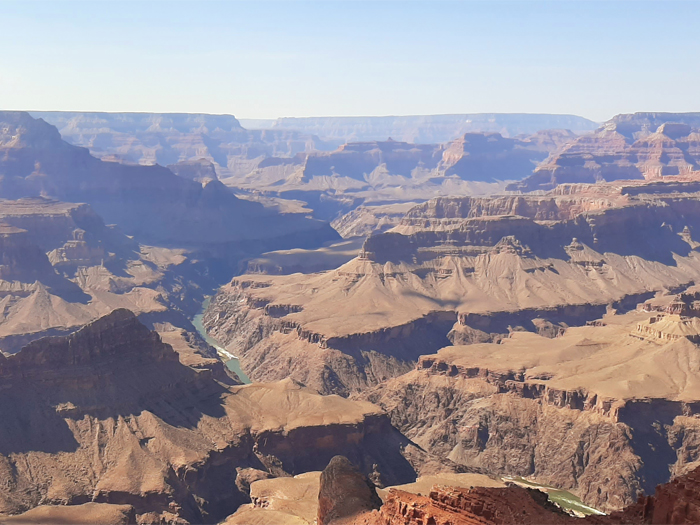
109 414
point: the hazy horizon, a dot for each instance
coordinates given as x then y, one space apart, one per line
265 60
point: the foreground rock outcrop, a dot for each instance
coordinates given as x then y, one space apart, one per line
677 502
344 492
110 415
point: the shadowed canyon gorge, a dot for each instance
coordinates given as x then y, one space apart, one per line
457 319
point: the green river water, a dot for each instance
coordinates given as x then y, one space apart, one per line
565 499
227 357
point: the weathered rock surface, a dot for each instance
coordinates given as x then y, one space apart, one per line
638 146
344 492
200 170
676 502
85 514
381 172
281 501
109 414
368 220
169 138
601 410
475 506
62 267
147 201
461 270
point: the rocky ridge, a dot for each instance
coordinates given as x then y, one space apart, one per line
460 270
110 415
639 146
150 202
382 172
556 409
178 138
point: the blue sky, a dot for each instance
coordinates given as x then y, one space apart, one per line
267 59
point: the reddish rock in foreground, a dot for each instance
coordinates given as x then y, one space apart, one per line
677 503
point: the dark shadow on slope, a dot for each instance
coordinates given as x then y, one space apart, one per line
112 367
650 419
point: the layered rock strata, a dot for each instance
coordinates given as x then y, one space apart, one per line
676 502
599 410
110 415
150 202
639 146
460 270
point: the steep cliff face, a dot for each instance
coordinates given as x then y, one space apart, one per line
399 171
639 146
675 502
169 138
602 410
21 261
475 506
109 414
72 235
369 220
461 270
147 201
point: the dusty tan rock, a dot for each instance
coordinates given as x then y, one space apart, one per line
344 492
460 270
581 411
110 415
87 513
639 146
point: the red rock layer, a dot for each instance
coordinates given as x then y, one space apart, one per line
676 503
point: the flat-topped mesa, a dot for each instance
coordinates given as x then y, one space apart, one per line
175 138
71 234
555 261
485 157
428 129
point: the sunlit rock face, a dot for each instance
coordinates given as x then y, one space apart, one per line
638 146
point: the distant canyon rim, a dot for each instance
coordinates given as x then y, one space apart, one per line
436 313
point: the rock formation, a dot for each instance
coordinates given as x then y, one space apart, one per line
368 220
424 129
461 270
393 171
599 410
200 170
344 492
149 202
171 138
110 415
677 502
640 146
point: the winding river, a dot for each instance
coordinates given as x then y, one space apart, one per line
227 357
